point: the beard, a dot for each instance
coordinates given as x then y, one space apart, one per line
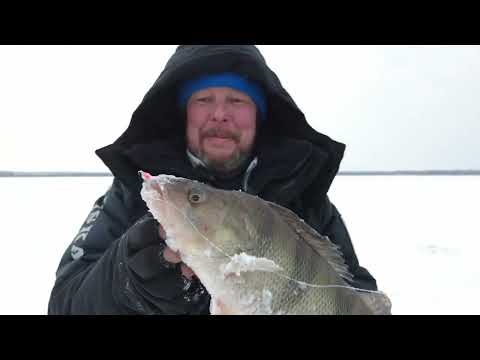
231 165
235 162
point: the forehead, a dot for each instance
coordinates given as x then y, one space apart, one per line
220 91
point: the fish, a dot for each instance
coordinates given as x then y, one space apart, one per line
254 257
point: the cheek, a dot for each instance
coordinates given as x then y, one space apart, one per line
246 120
192 137
193 132
248 136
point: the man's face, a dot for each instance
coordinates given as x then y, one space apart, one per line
221 126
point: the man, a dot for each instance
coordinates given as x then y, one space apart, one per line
217 114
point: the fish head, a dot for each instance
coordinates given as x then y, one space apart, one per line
188 211
197 218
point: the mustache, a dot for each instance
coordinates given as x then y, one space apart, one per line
222 133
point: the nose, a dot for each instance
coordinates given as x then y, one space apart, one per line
220 112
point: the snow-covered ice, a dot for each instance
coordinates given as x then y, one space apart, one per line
416 234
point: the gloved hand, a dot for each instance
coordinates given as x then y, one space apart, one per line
158 268
148 236
145 248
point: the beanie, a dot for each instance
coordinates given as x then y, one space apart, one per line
231 80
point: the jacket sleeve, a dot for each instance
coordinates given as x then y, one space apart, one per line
100 274
327 220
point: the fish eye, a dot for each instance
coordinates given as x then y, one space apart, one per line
196 196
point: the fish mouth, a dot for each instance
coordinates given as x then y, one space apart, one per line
160 190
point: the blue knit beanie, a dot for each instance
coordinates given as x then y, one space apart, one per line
231 80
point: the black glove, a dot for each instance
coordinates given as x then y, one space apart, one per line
158 278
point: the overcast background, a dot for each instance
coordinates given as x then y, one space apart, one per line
396 107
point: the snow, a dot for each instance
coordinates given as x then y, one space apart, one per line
418 236
208 252
244 262
39 219
171 242
302 285
266 305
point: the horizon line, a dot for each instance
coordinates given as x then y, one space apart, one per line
341 173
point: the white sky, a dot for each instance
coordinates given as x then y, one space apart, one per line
396 107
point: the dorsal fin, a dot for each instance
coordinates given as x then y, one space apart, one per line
321 244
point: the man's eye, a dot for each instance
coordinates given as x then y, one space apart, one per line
203 100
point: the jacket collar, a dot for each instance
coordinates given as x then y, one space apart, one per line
282 168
